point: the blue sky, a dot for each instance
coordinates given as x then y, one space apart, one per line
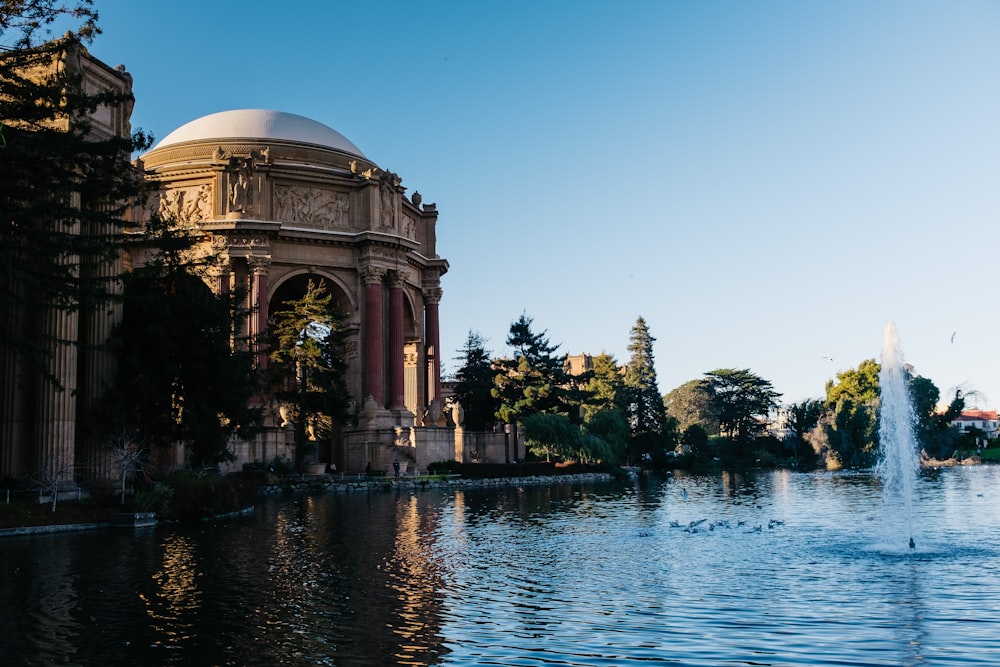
766 183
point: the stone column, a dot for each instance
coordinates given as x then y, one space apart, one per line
372 335
223 276
432 296
259 267
397 398
55 420
56 394
12 396
97 363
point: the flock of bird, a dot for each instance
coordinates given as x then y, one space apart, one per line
696 526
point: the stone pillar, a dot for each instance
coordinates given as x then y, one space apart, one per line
397 398
259 267
55 420
13 394
432 296
223 276
372 335
56 395
97 364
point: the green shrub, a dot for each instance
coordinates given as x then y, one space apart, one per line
156 499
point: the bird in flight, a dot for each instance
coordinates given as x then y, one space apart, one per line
953 336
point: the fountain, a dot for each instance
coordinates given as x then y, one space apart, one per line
898 460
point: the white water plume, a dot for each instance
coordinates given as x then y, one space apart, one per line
898 461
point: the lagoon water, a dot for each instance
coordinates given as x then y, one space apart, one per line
786 569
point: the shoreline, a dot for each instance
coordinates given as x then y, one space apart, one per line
328 484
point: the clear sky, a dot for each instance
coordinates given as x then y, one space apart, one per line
766 183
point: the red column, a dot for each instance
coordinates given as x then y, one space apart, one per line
432 297
397 399
372 335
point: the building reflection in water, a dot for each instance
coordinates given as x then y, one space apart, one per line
174 603
414 572
352 578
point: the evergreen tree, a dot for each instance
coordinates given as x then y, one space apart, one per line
474 384
605 387
646 413
181 377
534 378
308 365
66 189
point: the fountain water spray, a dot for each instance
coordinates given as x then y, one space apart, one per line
898 459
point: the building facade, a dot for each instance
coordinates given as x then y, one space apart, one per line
277 200
281 200
44 433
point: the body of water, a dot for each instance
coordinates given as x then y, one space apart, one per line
758 568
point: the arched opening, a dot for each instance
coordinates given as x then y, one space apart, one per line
308 376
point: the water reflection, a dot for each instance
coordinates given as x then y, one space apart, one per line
563 575
174 605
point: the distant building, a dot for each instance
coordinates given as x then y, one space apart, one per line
578 364
985 420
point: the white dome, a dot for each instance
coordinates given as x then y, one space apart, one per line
260 124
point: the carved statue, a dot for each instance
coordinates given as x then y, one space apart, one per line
240 194
388 182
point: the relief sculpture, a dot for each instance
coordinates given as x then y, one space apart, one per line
314 207
409 227
186 205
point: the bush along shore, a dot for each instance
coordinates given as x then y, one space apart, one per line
348 483
190 496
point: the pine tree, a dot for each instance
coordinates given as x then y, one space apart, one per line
534 378
474 384
646 413
308 365
605 387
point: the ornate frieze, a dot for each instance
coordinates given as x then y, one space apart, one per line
188 205
409 228
314 207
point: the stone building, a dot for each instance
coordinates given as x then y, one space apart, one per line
282 199
42 432
278 200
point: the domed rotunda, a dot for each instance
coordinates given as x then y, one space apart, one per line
280 200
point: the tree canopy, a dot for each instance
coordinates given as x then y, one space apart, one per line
691 404
743 402
308 365
66 189
180 377
474 384
646 413
534 378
